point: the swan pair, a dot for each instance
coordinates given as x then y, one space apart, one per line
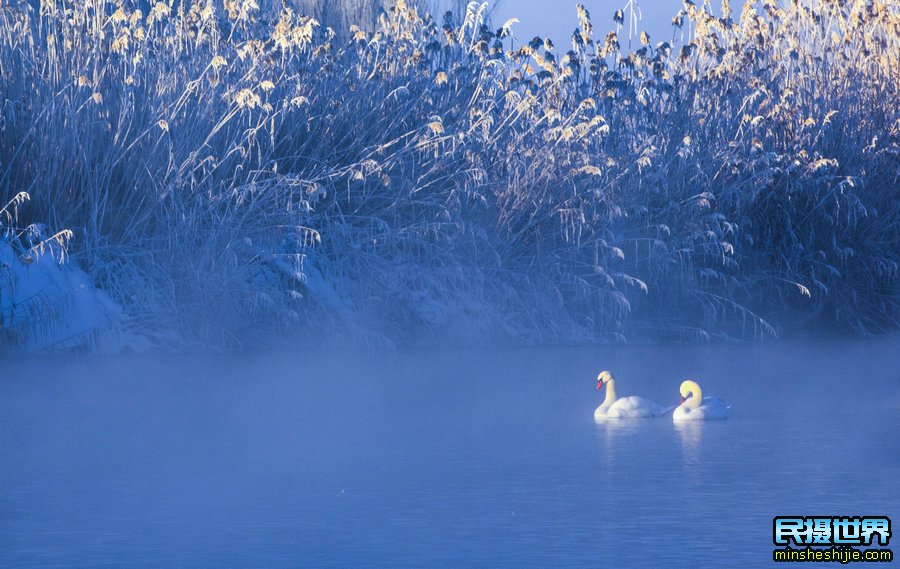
692 407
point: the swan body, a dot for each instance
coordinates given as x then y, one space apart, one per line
695 407
614 407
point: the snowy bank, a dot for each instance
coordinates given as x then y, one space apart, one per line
48 303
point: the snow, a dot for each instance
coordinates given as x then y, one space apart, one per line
50 304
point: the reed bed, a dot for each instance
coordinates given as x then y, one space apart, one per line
232 171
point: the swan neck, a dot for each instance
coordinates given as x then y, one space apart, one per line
610 392
696 398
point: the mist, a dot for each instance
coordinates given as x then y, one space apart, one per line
418 458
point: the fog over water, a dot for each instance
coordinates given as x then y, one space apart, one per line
437 458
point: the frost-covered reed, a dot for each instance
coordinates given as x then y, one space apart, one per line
237 170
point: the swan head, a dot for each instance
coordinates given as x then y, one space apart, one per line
691 394
604 377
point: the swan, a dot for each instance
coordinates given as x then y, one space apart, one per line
624 408
695 407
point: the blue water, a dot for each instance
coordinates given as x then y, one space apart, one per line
437 459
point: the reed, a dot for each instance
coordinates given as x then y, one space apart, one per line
230 171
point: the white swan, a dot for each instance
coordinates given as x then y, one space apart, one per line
624 408
695 407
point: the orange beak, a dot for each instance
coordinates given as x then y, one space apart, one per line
599 384
683 399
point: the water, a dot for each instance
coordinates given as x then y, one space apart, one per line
425 459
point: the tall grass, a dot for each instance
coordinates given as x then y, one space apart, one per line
237 172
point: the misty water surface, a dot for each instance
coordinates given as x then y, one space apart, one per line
425 458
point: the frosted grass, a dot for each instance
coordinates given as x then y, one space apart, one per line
233 173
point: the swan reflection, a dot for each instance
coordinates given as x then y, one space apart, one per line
691 435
